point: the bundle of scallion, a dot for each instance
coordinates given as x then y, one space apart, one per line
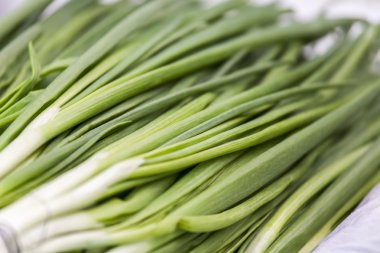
168 126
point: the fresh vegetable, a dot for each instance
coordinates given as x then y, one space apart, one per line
170 126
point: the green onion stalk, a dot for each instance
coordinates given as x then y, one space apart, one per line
167 126
198 205
44 127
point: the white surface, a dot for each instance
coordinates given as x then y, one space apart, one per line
359 232
6 5
309 9
3 248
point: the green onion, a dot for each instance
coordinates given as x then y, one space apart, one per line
170 126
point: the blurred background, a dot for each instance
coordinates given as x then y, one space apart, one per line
305 9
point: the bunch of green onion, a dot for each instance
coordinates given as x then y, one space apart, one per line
169 126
